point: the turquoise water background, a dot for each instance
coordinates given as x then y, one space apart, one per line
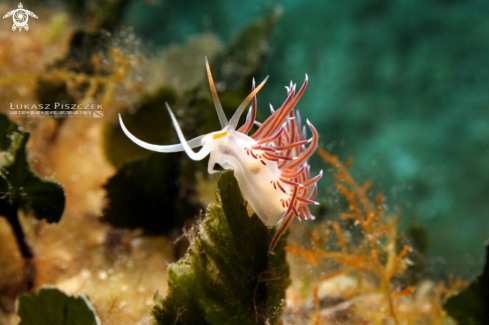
401 85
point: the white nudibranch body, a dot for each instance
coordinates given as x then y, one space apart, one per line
270 166
254 177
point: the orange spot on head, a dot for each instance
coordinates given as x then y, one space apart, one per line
219 135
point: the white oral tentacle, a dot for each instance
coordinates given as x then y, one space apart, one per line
196 142
188 150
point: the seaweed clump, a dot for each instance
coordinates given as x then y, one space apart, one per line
227 275
52 306
373 266
22 190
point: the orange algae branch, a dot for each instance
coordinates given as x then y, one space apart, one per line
378 256
316 306
442 293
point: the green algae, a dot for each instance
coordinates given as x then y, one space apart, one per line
53 307
20 187
227 275
144 194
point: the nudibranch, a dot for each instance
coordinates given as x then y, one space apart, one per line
270 166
